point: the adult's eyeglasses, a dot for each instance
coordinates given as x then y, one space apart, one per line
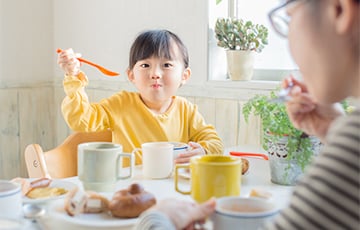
280 19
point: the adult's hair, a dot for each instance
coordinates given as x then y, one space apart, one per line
156 43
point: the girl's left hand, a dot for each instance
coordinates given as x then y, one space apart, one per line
195 149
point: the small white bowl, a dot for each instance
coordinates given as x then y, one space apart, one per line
13 224
179 147
10 199
249 213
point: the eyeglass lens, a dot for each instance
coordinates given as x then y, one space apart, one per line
280 20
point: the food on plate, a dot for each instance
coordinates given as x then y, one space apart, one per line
25 184
260 193
244 165
40 183
36 193
75 201
96 203
131 202
127 203
38 188
78 201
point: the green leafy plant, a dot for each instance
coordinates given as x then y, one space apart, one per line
237 34
277 125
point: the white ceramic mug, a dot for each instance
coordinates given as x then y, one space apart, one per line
157 159
10 200
100 165
249 213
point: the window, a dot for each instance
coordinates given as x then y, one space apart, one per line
273 63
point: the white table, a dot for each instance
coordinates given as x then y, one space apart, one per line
258 177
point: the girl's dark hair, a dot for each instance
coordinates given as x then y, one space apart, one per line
156 43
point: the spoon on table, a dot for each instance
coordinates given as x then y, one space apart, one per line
99 67
244 154
33 211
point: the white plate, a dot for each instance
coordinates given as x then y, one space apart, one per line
91 220
54 183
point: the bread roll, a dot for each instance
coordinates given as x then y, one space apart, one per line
75 201
96 203
78 201
131 202
244 166
27 186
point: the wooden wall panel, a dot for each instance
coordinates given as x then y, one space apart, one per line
227 121
61 127
10 156
37 117
206 107
249 132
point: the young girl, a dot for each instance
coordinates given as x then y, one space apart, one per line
158 66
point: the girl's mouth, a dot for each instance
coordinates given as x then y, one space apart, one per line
156 86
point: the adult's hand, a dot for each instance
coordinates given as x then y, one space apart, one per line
185 214
308 116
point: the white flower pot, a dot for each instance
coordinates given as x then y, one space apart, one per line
283 170
240 64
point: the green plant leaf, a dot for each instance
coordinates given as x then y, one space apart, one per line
236 34
275 120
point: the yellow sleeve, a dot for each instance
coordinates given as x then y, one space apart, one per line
204 134
208 138
77 111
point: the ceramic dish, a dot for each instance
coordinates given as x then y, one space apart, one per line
89 220
179 146
13 224
54 184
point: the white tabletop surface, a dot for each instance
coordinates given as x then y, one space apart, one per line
258 177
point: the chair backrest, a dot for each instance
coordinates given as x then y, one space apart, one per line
61 161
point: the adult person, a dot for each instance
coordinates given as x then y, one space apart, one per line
158 66
324 41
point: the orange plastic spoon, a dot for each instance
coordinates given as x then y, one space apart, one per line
102 69
244 154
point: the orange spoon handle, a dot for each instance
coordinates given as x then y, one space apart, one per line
244 154
99 67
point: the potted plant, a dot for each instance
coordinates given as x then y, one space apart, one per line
241 40
290 150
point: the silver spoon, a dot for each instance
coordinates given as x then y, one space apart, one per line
33 211
283 94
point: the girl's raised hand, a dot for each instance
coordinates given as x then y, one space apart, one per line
68 62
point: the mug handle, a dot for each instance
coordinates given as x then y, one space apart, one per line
119 165
177 167
136 153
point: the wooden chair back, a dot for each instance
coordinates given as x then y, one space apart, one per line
60 162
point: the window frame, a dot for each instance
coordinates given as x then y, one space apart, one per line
269 77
